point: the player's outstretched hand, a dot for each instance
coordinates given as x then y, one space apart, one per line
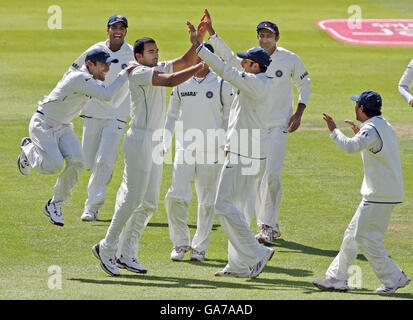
193 35
207 22
330 122
353 126
130 68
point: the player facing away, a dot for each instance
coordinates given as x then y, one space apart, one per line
245 150
52 139
405 83
382 189
138 194
200 108
287 68
104 121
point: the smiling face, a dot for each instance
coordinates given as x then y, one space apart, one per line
117 34
267 40
98 69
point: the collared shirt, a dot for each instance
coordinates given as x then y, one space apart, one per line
406 82
119 106
73 91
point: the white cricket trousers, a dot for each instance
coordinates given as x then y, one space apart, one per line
270 190
179 196
365 233
100 144
53 144
234 207
138 194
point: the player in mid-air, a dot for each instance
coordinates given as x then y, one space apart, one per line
104 121
200 106
138 195
406 82
245 151
52 139
382 189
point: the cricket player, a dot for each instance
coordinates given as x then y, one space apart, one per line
382 189
104 121
138 195
52 139
287 68
405 83
245 150
200 106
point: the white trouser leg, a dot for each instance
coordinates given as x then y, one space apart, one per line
137 148
130 237
366 232
269 196
206 183
243 250
177 200
101 138
71 150
44 154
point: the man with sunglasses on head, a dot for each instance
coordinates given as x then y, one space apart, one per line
104 121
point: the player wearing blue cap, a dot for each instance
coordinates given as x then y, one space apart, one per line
382 189
405 83
104 121
246 151
52 139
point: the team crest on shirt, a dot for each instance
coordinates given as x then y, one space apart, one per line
209 94
124 65
279 73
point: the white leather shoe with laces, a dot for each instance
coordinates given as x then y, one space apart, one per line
22 161
89 215
197 255
178 253
54 211
403 281
330 284
131 265
107 263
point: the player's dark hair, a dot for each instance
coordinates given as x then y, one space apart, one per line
139 45
370 112
262 68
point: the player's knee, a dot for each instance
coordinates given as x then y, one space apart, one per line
75 161
52 167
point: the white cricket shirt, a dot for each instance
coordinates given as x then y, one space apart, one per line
406 82
286 67
201 104
250 110
119 106
148 102
377 142
74 90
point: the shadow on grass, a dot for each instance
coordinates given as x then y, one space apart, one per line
175 282
190 226
270 269
365 292
281 243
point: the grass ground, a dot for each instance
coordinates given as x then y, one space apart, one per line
320 182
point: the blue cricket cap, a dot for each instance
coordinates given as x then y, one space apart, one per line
100 55
258 55
117 18
269 25
371 100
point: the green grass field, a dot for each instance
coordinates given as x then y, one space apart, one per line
320 182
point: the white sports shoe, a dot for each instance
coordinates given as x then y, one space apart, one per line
178 253
130 264
267 234
54 212
89 215
260 265
225 273
197 255
330 284
22 162
403 281
108 264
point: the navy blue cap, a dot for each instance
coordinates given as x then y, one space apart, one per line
369 99
100 55
117 18
209 47
259 55
269 25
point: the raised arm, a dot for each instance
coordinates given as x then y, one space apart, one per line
405 83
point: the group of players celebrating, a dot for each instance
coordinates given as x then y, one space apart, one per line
249 97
